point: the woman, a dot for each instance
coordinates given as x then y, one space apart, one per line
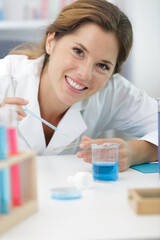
72 80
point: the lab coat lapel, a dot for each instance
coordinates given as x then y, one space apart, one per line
72 124
32 131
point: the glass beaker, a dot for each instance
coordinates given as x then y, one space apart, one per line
105 161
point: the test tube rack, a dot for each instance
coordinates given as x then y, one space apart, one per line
27 163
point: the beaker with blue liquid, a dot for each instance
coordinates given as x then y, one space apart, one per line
105 161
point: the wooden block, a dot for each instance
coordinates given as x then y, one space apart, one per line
145 200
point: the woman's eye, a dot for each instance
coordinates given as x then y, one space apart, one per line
78 51
103 66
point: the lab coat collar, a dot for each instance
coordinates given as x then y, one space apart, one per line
72 124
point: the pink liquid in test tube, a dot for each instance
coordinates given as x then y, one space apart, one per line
16 193
12 140
13 150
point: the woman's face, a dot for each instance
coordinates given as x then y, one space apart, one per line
80 63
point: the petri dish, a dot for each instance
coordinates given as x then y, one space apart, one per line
65 193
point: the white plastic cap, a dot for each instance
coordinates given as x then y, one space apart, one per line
82 180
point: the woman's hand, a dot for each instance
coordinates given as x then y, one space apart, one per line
125 151
130 152
16 101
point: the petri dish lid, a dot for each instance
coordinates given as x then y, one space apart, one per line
65 193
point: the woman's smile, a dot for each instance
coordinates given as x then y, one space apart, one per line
74 85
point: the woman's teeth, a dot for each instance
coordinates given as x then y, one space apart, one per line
74 85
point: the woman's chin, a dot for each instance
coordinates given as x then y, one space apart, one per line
68 100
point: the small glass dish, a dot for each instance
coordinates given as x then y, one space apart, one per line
66 193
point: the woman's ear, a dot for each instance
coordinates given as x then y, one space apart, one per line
50 43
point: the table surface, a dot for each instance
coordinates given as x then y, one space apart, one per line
103 212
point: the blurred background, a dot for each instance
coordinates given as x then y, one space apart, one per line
26 20
143 66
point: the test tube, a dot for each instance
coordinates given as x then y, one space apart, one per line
158 100
12 129
4 173
13 150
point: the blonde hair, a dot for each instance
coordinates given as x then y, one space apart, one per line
106 15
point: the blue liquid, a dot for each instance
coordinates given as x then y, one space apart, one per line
3 143
4 174
105 171
4 191
159 141
66 193
1 14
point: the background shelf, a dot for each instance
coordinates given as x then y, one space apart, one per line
22 25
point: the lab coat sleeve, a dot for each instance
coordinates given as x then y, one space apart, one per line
132 111
6 79
151 137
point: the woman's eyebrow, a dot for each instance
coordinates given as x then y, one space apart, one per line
83 47
107 62
86 50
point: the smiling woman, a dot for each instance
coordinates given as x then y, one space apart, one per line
71 79
89 63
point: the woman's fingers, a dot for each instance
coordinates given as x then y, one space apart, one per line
19 102
86 142
14 100
86 155
85 138
21 113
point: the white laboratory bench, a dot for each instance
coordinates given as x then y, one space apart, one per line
103 212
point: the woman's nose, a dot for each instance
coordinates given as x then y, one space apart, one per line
86 71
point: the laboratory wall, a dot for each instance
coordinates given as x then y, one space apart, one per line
143 65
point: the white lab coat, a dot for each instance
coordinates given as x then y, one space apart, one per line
119 105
